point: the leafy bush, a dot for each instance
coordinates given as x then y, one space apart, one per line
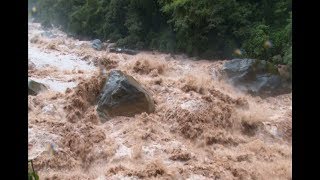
287 59
259 34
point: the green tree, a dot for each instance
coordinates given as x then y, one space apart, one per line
206 28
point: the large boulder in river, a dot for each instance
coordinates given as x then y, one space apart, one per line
122 95
255 76
96 44
35 87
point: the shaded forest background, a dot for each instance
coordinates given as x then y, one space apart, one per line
203 28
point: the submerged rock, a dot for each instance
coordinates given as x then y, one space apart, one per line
255 76
35 87
122 95
96 44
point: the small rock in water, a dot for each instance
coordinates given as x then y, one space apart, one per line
34 87
123 96
96 44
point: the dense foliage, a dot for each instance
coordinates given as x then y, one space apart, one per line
206 28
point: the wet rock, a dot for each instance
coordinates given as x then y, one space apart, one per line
96 44
257 77
35 87
122 95
285 72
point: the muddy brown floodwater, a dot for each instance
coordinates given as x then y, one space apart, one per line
202 128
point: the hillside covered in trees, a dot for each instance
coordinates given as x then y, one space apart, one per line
205 28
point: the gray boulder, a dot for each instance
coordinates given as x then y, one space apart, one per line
35 87
96 44
122 95
255 76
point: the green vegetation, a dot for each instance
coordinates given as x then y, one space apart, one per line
32 175
205 28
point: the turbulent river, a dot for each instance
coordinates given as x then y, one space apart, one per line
202 127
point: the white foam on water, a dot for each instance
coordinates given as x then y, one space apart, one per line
61 62
55 85
123 151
